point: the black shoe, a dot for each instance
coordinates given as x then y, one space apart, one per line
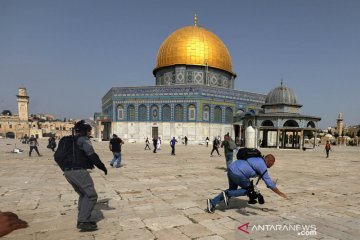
86 226
226 198
210 206
91 222
111 164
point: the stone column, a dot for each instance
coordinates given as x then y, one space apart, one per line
301 139
99 131
277 138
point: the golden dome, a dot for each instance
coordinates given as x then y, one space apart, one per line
194 45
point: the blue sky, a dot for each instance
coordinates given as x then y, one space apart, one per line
69 53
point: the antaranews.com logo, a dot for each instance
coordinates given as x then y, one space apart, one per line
301 230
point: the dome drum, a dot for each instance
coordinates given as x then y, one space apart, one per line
194 75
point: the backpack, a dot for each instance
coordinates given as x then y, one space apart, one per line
232 145
65 153
245 153
328 146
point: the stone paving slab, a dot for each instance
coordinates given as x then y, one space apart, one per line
159 196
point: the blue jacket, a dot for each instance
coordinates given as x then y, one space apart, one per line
245 169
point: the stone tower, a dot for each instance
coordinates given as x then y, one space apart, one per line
340 124
23 102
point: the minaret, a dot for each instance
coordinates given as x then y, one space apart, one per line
23 102
340 124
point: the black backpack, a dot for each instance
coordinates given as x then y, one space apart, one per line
65 153
245 153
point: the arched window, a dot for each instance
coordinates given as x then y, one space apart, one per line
228 115
311 124
179 113
120 113
166 113
131 113
142 113
291 123
154 113
206 113
191 113
217 114
267 123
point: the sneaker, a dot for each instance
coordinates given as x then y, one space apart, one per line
226 198
210 206
86 226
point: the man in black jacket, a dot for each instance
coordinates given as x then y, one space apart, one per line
78 176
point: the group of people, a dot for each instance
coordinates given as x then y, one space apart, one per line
156 144
76 172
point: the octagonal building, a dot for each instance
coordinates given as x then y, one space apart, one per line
194 95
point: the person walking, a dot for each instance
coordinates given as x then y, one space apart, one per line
158 146
75 167
228 151
33 143
147 142
216 144
172 144
186 140
239 174
327 148
207 141
52 143
155 144
115 146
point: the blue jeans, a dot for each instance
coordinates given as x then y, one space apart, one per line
235 181
229 158
117 158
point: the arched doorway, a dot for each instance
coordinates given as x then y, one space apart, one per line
10 135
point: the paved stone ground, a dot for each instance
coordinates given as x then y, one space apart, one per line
158 196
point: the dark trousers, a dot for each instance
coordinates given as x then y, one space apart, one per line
327 152
36 149
147 146
172 150
215 149
83 184
154 149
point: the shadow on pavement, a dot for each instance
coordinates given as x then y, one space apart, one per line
102 204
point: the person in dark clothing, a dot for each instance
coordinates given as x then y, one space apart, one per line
147 142
186 140
207 141
33 143
77 175
172 144
216 144
327 148
52 143
115 146
155 144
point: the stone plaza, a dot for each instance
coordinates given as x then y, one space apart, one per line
159 196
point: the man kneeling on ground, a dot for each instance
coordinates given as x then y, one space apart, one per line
239 174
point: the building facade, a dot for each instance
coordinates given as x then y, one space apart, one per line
22 124
194 95
279 123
